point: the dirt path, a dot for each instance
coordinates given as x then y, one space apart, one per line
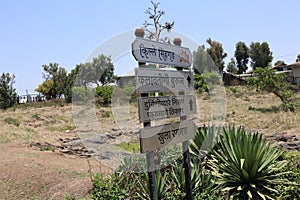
28 173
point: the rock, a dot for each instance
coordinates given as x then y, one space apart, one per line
281 138
115 129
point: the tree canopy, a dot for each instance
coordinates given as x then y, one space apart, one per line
241 55
266 79
232 67
55 81
217 53
99 71
298 58
202 61
8 95
260 54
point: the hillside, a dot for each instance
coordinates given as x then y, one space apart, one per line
37 164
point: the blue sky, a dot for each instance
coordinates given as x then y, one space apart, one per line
35 32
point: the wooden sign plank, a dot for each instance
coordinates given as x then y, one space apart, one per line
157 137
153 108
148 51
158 80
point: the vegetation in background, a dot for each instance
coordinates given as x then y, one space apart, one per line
8 95
232 67
298 58
206 81
260 54
105 92
217 54
59 83
266 79
55 81
100 71
241 55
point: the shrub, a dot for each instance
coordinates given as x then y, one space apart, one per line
105 92
206 81
290 172
246 165
82 94
119 185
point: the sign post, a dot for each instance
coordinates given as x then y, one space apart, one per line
178 82
185 150
139 33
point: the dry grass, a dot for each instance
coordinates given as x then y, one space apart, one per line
244 107
36 123
253 110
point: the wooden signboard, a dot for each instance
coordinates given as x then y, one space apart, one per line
157 80
162 107
157 137
149 51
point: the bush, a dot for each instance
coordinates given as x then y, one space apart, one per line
82 94
126 94
206 81
111 187
105 92
291 172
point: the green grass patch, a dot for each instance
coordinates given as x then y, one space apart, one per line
61 128
47 148
130 146
10 120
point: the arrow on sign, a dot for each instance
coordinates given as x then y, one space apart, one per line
189 80
191 104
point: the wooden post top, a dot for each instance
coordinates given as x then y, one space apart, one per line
139 32
177 41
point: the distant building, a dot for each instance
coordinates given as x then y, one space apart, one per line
295 72
126 79
28 98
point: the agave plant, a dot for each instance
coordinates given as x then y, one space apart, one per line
205 140
246 165
144 193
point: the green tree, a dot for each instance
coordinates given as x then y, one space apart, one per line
155 15
266 79
202 61
100 71
46 88
71 78
58 75
260 54
280 63
242 57
217 53
298 58
231 67
8 95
